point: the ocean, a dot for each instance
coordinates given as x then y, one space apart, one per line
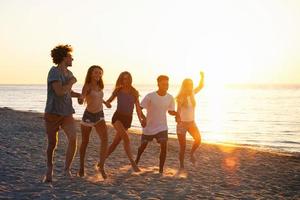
259 116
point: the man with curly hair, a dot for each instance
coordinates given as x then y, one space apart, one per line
59 109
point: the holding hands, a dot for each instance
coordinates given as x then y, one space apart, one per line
107 104
143 121
80 99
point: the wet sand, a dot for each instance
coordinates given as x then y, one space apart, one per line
222 172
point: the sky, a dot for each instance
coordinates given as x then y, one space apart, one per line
232 41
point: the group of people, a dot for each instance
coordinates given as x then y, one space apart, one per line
59 111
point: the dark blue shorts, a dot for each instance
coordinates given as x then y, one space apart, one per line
91 119
160 137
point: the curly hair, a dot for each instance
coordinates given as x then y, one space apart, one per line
59 52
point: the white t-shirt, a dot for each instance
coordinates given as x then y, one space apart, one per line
156 107
187 113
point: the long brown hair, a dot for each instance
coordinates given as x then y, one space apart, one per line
182 96
119 84
89 75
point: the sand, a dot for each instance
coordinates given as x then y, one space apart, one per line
222 172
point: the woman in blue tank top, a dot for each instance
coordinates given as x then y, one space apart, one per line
127 97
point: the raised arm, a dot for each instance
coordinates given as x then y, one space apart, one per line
201 83
61 90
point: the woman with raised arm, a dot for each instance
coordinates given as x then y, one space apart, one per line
186 104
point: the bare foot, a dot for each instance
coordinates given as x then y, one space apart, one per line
193 159
161 171
98 165
48 176
102 172
181 169
81 172
136 161
68 173
135 167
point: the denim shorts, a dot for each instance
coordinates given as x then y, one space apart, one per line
91 119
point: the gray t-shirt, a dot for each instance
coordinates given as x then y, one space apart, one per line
60 105
125 103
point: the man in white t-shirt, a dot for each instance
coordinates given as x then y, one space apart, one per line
157 104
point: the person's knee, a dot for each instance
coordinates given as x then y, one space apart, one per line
70 131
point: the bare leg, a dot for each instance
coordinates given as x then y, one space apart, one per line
85 135
52 142
162 156
114 144
102 132
70 131
140 151
126 142
197 141
182 145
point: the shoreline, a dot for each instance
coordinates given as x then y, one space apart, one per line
222 171
234 145
138 131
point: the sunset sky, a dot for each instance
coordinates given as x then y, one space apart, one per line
232 41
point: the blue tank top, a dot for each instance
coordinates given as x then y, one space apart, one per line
125 103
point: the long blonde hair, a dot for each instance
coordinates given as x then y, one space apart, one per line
182 97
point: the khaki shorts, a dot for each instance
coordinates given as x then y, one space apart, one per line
54 122
183 127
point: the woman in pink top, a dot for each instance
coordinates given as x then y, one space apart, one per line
186 123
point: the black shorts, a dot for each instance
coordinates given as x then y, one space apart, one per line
160 137
91 119
126 120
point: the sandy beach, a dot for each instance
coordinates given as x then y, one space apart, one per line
222 172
